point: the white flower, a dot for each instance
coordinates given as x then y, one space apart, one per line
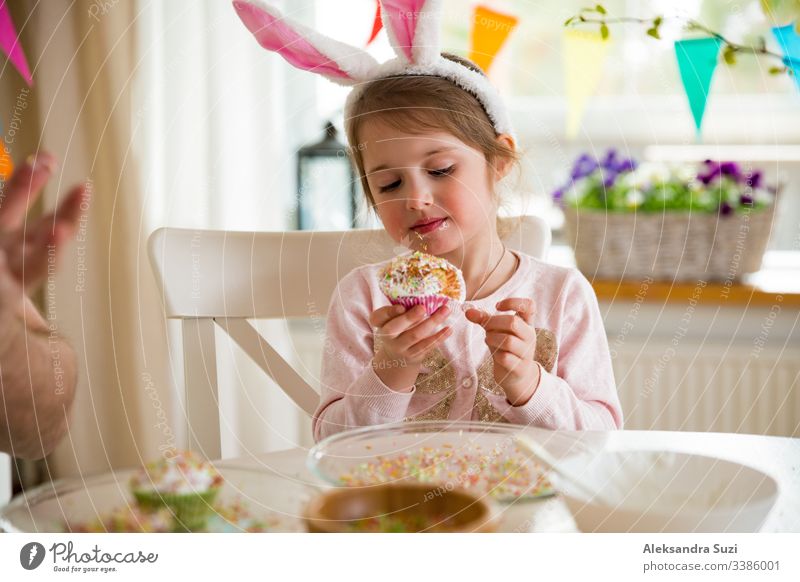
646 174
762 196
634 198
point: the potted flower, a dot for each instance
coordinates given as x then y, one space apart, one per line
706 221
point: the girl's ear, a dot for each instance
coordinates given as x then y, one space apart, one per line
413 28
305 48
504 165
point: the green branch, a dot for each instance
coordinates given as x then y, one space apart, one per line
599 15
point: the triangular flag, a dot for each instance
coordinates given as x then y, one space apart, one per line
376 25
6 163
10 45
789 41
584 55
490 30
697 60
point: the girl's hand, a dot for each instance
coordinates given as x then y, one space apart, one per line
407 336
512 342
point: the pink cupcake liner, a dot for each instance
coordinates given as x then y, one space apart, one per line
430 302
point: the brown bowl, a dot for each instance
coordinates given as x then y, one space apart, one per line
399 507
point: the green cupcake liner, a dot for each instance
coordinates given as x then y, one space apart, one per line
190 510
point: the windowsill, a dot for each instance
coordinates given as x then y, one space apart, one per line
778 282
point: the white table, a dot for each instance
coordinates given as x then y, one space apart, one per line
777 456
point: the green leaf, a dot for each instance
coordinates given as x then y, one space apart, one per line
776 70
654 33
600 9
604 31
729 55
657 21
569 20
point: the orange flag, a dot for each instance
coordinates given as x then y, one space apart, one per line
6 163
490 30
377 24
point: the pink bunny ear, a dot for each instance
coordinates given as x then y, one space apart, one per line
305 48
413 28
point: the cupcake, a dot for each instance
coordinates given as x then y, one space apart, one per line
128 519
421 279
184 484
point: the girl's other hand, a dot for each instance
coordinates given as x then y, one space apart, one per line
511 339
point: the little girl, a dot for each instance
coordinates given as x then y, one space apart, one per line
431 140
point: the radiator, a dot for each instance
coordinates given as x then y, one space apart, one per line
710 388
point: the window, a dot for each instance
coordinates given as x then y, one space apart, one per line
638 104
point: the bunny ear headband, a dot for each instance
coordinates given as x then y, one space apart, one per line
413 29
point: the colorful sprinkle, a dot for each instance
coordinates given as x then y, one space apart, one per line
500 473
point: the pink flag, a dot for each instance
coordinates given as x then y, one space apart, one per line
10 45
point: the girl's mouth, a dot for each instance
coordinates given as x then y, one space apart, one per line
430 226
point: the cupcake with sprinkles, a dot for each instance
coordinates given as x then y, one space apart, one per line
184 484
421 279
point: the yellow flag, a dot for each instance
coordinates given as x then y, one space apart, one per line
490 29
6 164
584 55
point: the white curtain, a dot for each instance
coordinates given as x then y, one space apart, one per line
178 118
222 121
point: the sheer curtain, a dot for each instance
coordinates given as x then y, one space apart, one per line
221 122
177 118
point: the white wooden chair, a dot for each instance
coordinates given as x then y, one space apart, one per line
224 278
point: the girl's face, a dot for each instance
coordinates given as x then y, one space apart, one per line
432 192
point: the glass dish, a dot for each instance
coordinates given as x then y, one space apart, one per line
477 456
249 500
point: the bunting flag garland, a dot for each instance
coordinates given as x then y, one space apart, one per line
10 45
6 163
376 25
789 41
585 53
490 30
697 61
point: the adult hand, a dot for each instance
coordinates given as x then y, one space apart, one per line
511 339
29 245
38 369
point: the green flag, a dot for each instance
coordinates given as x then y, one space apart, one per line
697 60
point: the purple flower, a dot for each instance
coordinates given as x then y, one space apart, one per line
609 177
754 181
730 169
746 200
558 195
616 164
725 209
714 170
610 160
583 167
625 166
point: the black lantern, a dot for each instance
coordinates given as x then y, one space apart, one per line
326 185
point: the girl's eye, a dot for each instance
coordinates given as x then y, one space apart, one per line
390 187
444 172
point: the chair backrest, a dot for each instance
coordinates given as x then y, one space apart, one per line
225 277
5 479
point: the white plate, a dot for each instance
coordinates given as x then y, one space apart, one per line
249 499
663 491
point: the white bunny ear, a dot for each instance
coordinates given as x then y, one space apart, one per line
305 48
413 29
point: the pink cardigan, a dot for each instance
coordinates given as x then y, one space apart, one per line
577 390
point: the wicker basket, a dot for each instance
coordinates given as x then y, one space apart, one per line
673 246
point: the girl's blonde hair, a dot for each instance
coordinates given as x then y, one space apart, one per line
427 104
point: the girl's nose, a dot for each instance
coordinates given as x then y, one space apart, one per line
420 196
